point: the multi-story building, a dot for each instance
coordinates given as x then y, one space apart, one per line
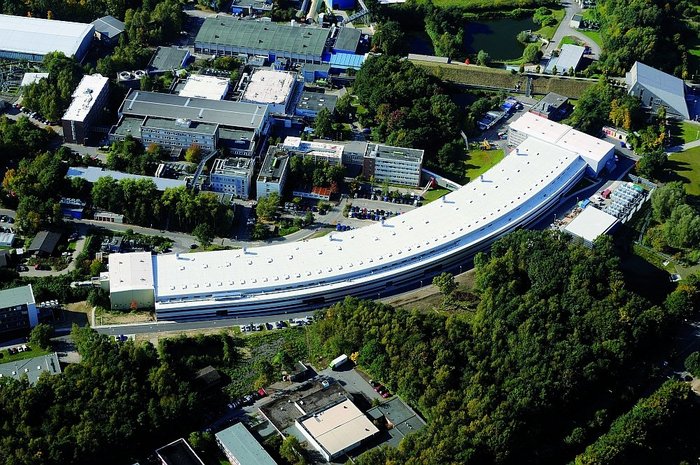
18 313
176 121
395 165
88 100
273 173
232 176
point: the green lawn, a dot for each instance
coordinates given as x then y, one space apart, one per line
33 352
594 36
434 194
685 167
321 233
689 132
480 161
548 31
568 40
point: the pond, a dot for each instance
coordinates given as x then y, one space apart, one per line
419 42
497 37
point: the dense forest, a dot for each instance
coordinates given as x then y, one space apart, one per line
408 107
555 350
655 32
121 399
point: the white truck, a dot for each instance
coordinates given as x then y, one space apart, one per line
338 361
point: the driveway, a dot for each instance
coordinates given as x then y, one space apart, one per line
564 30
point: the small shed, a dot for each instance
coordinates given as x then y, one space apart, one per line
576 21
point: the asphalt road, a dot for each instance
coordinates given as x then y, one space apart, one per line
169 326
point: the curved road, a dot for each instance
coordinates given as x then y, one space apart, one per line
564 30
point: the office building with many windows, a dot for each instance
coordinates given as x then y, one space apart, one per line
18 313
232 176
176 121
395 165
89 99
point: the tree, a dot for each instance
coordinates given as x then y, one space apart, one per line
682 230
292 451
651 164
41 335
323 125
390 38
445 282
267 206
309 218
193 154
692 364
204 233
532 53
666 198
483 58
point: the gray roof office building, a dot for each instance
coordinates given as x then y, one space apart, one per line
231 36
108 29
168 59
241 447
553 106
177 121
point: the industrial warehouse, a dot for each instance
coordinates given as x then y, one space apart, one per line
30 39
407 250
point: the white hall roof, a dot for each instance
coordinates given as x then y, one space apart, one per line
563 136
502 194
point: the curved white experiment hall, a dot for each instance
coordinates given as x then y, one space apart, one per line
375 261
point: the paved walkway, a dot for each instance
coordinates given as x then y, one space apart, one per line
564 30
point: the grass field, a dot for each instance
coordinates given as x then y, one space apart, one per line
594 36
548 31
33 352
487 5
689 132
434 194
472 75
480 161
685 167
568 40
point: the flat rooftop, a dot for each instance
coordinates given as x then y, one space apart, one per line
262 35
268 86
226 113
591 223
402 419
562 135
310 396
313 148
40 36
84 96
168 58
178 453
348 39
316 101
274 165
395 153
243 445
31 367
505 194
16 296
232 166
30 78
93 173
209 87
130 271
338 427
